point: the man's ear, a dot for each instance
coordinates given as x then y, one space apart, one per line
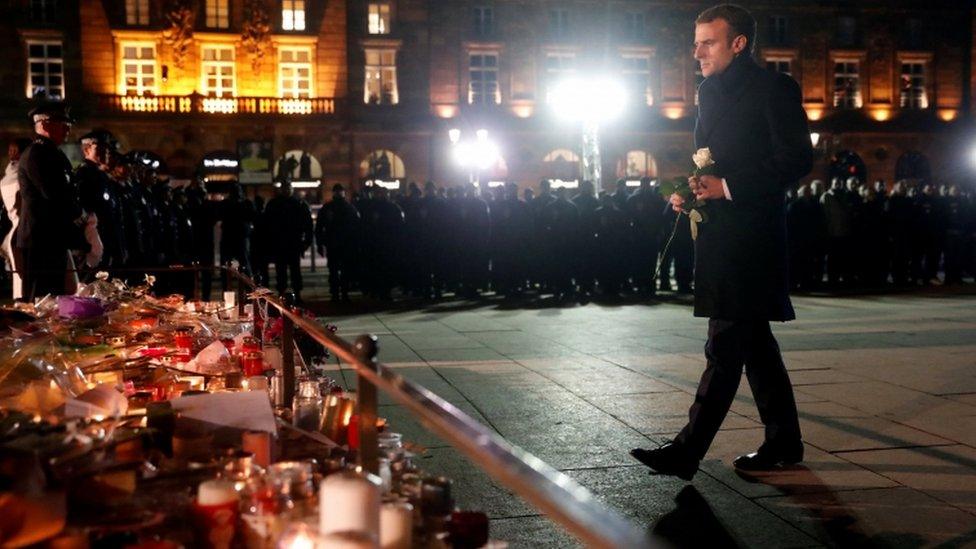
739 43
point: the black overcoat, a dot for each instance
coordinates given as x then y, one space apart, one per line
753 122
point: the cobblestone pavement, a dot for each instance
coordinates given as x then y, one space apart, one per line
886 389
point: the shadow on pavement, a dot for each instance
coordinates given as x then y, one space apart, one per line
692 524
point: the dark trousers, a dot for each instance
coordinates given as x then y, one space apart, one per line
284 265
42 270
732 344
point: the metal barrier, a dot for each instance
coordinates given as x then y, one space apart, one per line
552 492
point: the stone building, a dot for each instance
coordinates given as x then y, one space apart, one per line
356 90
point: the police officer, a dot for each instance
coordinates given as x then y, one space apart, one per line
51 219
560 229
510 227
337 233
646 210
291 222
99 195
588 256
610 234
474 232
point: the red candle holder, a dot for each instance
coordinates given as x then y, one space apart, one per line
253 363
183 338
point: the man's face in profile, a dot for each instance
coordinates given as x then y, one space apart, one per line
714 47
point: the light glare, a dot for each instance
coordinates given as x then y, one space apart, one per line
596 100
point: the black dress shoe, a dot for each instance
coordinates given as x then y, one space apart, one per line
768 460
669 459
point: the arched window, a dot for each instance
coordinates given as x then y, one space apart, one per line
913 166
562 164
845 164
636 164
298 166
382 164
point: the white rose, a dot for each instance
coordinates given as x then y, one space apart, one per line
702 158
101 275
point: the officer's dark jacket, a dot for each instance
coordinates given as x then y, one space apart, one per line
49 210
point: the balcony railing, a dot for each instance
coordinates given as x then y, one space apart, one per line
192 104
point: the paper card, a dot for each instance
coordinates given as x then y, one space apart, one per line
248 410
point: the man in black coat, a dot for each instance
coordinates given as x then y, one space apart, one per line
337 232
754 126
289 219
51 219
97 193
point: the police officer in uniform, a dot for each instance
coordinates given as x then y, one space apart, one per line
52 221
337 232
98 195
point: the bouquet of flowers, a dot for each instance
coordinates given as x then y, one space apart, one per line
690 205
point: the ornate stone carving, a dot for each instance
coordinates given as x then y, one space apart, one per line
179 35
256 31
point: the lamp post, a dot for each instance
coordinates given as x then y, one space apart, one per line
474 155
591 102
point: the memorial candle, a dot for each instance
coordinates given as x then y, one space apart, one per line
349 501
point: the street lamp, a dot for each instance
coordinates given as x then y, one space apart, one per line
591 102
474 155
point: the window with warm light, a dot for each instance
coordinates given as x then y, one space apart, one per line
558 67
381 80
45 67
138 68
483 84
136 12
218 14
43 11
294 72
379 18
847 84
636 70
217 68
559 23
780 64
484 20
913 95
635 26
293 15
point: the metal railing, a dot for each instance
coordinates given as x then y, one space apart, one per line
542 486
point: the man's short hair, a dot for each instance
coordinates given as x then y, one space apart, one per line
739 19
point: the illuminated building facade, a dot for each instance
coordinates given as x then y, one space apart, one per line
356 89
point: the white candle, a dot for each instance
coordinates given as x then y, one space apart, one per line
396 525
230 299
349 502
347 540
216 492
259 444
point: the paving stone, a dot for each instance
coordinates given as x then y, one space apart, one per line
704 513
887 517
531 532
862 433
819 472
595 380
947 473
659 412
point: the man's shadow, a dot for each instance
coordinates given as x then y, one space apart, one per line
692 524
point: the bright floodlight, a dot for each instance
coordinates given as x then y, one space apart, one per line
595 99
479 154
454 135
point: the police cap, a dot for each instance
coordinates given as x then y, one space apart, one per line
53 110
